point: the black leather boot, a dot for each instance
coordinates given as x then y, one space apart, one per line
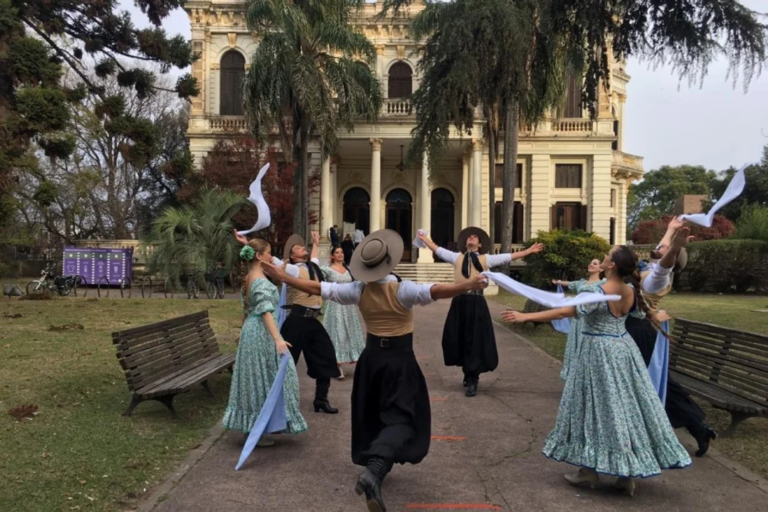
369 483
321 402
703 434
472 386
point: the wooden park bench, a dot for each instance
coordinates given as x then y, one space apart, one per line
535 307
164 359
726 367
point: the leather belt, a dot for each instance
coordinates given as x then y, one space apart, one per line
474 292
404 342
305 311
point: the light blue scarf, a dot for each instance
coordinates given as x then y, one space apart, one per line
659 365
564 324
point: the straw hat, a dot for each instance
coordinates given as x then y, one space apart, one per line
376 256
485 240
293 241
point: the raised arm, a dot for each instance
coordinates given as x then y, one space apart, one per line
278 273
448 291
534 249
672 228
428 242
516 317
315 246
561 283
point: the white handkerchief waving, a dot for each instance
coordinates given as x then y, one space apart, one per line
548 299
734 190
257 198
417 242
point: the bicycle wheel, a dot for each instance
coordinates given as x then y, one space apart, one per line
81 283
64 289
146 288
103 283
220 289
125 288
210 290
33 288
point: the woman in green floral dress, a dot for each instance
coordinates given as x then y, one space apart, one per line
611 420
591 284
259 350
342 322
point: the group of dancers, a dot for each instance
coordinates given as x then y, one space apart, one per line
611 419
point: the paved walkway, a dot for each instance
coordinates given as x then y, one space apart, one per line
486 458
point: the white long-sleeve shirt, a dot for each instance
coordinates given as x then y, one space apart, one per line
493 260
291 269
658 280
409 294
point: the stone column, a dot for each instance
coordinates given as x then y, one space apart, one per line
325 199
476 190
464 191
539 205
621 221
335 199
600 195
375 185
425 209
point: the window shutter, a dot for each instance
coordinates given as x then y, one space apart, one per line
583 218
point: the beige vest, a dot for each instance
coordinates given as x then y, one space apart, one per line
383 314
458 277
294 296
653 299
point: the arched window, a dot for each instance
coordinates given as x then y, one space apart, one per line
357 208
232 74
442 217
400 80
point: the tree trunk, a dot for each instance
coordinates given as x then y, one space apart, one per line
301 183
511 134
492 135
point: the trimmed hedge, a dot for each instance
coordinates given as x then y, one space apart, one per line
566 256
725 266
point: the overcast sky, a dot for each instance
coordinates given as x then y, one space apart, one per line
668 123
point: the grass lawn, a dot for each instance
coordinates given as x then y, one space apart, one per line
750 444
78 452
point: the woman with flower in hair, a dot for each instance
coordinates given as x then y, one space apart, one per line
258 353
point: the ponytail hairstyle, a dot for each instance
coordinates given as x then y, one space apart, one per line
626 265
247 258
344 263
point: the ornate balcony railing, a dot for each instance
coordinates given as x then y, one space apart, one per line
228 124
397 107
573 126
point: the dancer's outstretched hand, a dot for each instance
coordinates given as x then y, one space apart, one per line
513 317
662 316
274 272
315 238
535 248
682 237
676 223
240 238
479 282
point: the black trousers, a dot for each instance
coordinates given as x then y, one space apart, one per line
307 335
391 417
681 410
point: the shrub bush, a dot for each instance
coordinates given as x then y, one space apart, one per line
652 231
753 223
726 266
566 256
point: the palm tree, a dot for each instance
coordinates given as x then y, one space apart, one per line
309 76
194 238
487 54
512 56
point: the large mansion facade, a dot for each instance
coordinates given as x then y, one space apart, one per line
573 172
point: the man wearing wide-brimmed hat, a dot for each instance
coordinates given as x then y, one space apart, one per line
302 328
468 338
391 419
668 258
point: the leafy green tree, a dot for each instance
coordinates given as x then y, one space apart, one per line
655 196
306 79
194 238
588 36
39 38
566 256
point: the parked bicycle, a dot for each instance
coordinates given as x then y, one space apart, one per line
62 285
193 287
215 282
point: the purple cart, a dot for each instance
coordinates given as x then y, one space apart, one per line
100 267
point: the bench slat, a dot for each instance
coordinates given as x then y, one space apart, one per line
169 383
170 365
160 339
718 396
175 345
728 360
195 375
131 333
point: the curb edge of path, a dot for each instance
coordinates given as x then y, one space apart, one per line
728 464
159 493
